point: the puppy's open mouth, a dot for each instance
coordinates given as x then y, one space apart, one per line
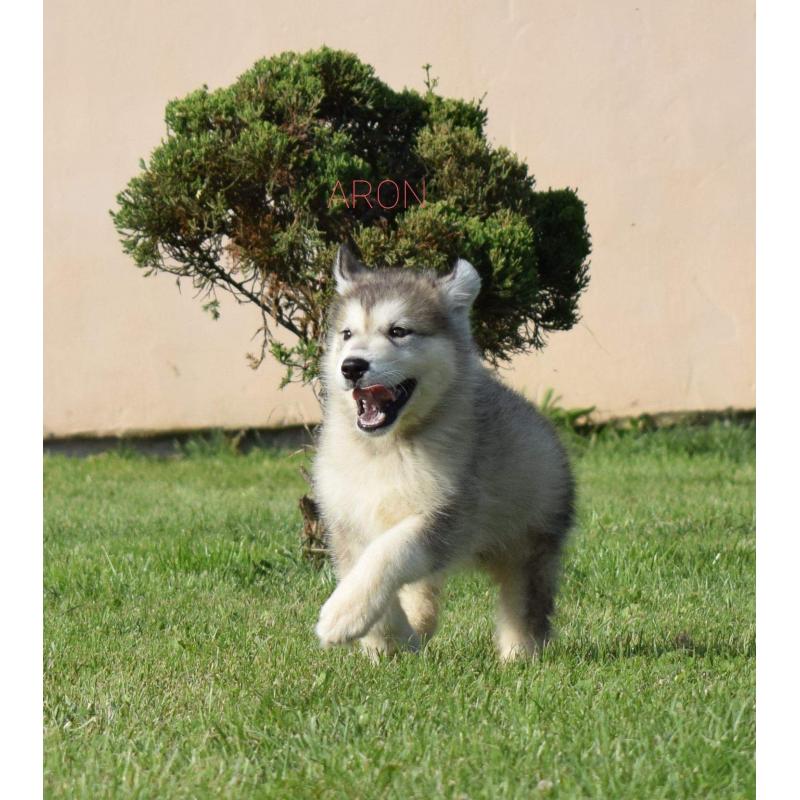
378 406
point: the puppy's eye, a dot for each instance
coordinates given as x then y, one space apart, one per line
346 334
398 333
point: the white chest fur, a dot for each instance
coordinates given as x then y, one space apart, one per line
364 490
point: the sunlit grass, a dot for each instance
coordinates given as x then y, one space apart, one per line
180 660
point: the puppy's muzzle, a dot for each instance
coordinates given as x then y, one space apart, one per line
354 368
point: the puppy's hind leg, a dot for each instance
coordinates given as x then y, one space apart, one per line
527 601
409 621
392 632
420 601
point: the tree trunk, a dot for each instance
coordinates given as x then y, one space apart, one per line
312 537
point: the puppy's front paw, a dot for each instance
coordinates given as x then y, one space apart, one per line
344 617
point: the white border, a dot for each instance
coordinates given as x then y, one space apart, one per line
21 315
777 358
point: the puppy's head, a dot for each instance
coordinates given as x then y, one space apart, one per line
396 340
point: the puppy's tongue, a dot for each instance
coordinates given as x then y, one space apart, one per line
370 404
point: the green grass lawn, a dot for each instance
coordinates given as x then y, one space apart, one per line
180 662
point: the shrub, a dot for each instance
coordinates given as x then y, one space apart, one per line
237 197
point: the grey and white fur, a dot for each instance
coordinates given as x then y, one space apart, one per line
427 463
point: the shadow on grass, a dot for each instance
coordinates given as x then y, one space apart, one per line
681 643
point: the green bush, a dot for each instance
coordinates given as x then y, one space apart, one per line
238 197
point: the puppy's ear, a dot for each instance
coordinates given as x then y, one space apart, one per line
461 286
346 268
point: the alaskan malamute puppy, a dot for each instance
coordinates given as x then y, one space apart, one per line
426 462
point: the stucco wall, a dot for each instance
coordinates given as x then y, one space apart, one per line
646 107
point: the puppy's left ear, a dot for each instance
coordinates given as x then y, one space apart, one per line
461 286
346 268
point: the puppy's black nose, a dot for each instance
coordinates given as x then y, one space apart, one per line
354 368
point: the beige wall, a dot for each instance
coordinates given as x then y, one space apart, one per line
646 107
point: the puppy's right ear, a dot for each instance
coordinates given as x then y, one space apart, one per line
461 286
346 267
